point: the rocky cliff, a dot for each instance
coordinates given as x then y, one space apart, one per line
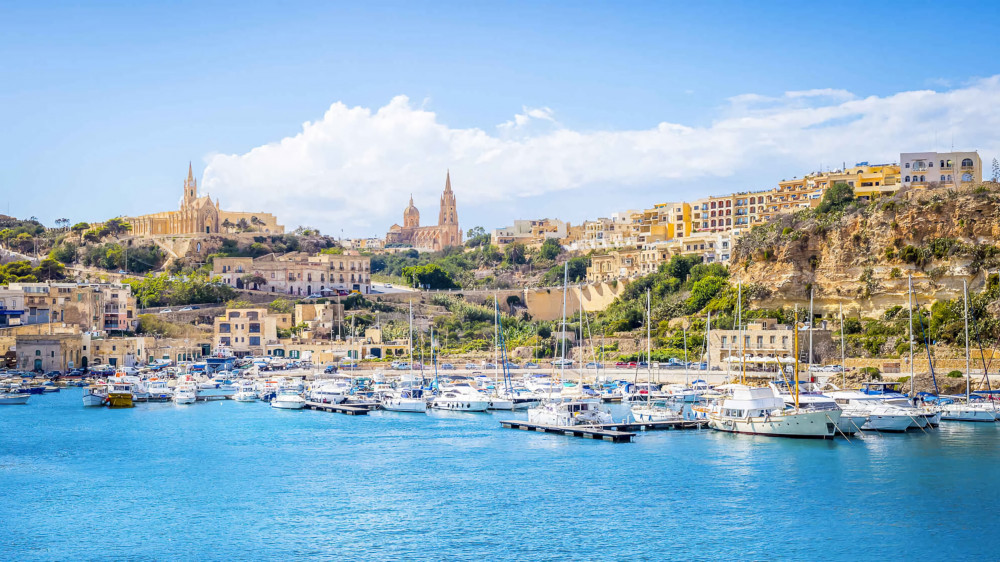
860 257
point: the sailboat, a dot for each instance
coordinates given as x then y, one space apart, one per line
650 410
574 412
969 410
408 396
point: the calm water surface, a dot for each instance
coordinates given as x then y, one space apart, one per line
229 481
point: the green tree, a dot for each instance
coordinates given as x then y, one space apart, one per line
836 198
703 291
50 269
680 266
117 226
514 254
430 276
79 228
476 237
550 249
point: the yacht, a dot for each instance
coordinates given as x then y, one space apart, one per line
158 391
246 393
811 399
330 392
288 400
972 411
13 398
881 416
566 414
891 393
405 400
460 397
656 411
219 387
760 411
186 392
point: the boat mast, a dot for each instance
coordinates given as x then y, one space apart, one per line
684 331
708 345
410 338
496 340
909 296
968 374
739 331
562 364
649 354
843 352
811 320
795 369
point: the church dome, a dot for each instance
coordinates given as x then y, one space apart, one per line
411 216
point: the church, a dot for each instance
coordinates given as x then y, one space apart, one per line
200 215
429 238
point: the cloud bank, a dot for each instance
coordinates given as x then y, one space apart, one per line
354 168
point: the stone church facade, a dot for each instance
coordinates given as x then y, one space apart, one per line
429 238
200 215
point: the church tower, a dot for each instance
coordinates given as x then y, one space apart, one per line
411 216
448 217
190 188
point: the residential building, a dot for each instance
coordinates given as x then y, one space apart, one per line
532 233
321 320
248 331
950 169
91 306
50 352
11 308
297 273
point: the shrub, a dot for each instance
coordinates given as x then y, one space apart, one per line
871 372
955 375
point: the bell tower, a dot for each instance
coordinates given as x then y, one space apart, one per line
451 234
190 187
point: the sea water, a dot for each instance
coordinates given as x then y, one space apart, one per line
232 481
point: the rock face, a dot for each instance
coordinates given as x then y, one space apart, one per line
860 258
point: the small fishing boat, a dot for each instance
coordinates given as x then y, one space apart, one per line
13 398
288 400
95 395
657 411
120 394
186 393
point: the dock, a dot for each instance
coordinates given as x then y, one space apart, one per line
584 431
360 409
656 425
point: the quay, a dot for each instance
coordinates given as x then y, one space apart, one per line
359 409
584 431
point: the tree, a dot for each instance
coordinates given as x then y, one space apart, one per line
79 228
117 226
476 237
996 170
680 266
92 236
550 249
23 242
50 269
255 279
703 291
242 225
429 276
836 198
228 225
256 222
514 254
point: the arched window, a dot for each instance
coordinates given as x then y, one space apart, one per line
966 176
967 163
922 178
942 163
906 179
942 177
907 165
729 222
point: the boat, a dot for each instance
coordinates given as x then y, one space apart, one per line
760 411
186 392
288 400
159 390
405 400
120 393
460 397
95 395
881 416
13 398
245 394
811 399
330 392
568 414
219 387
971 410
891 393
657 411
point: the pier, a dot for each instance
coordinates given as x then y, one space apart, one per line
360 409
584 431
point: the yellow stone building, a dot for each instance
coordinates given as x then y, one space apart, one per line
200 215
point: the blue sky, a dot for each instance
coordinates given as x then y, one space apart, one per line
102 107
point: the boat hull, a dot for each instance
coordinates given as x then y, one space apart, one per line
116 400
287 405
411 405
879 422
461 405
807 425
14 399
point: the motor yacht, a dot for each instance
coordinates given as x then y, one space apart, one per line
566 414
811 399
330 392
405 400
881 416
288 400
186 392
970 411
658 410
460 397
761 411
891 393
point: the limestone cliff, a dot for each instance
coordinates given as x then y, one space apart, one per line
860 257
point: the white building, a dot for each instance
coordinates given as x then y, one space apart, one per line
952 169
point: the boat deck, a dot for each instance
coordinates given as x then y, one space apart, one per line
349 409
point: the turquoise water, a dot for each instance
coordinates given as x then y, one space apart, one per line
229 481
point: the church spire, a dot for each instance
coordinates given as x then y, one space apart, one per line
447 181
190 173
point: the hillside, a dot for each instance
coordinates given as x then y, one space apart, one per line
860 255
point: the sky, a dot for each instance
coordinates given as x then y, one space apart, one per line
331 115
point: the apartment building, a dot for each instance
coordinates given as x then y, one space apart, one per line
297 273
950 169
51 352
530 232
248 331
90 306
765 343
11 308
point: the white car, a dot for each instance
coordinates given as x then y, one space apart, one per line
388 285
560 362
166 311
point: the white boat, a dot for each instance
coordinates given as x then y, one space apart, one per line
886 394
95 395
460 397
217 388
760 411
968 411
245 395
656 411
810 399
566 414
186 393
406 400
288 400
881 416
330 392
13 398
158 390
500 403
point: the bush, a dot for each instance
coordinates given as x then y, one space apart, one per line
836 198
871 372
955 375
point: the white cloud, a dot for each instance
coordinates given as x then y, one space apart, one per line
354 168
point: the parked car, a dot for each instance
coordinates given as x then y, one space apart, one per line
531 365
512 365
370 357
490 366
388 285
471 366
402 366
447 367
621 365
166 311
189 308
593 365
560 362
330 369
315 296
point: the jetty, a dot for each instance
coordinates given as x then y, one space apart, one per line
357 409
613 432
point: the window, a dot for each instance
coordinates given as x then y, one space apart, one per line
224 328
254 328
772 340
224 341
38 353
907 178
784 341
967 163
942 177
254 340
922 178
966 176
907 165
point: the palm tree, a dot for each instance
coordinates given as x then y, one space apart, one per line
228 225
243 225
256 222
